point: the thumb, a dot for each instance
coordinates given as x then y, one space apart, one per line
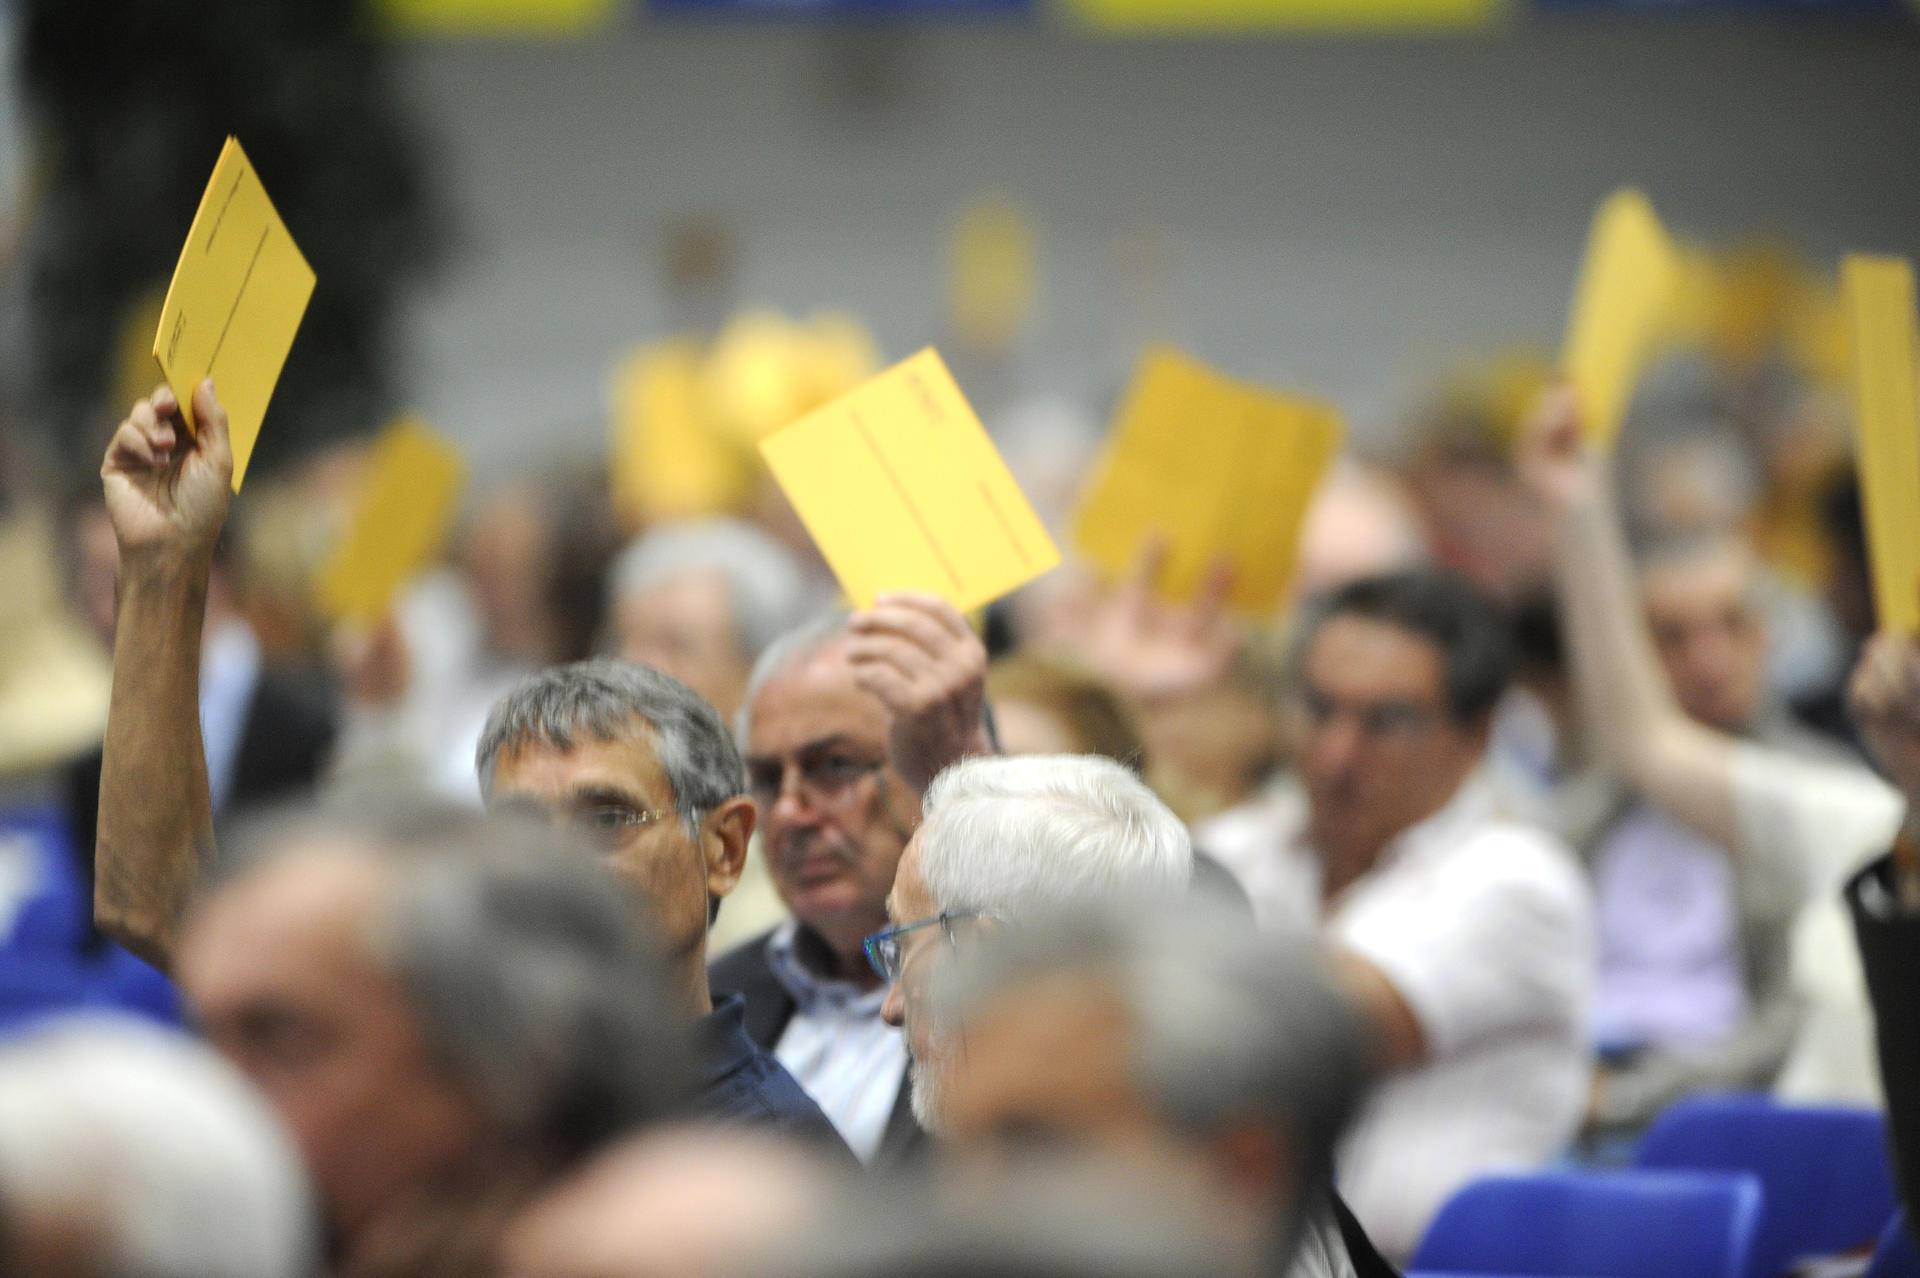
214 435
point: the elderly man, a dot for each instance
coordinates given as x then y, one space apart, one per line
634 757
1006 840
845 722
1469 937
1171 1040
447 1012
701 601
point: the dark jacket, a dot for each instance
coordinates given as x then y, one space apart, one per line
746 971
1889 938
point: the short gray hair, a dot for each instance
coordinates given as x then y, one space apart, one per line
534 981
602 700
1013 835
1229 1023
767 586
159 1143
802 641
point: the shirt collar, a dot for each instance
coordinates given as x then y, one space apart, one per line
1472 806
793 953
724 1045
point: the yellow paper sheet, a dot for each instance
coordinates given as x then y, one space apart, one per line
235 302
399 524
902 490
668 459
1620 309
1886 408
1222 470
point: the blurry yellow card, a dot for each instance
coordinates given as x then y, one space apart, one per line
235 303
902 490
668 459
1620 309
1886 409
1220 469
399 524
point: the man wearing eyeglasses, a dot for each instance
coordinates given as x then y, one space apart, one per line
632 756
1469 937
845 723
649 773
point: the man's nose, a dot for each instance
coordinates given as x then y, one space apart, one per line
1336 745
894 1009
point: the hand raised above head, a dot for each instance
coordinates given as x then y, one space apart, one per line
1148 648
167 487
1553 459
918 655
1885 695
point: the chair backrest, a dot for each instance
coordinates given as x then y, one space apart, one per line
1597 1225
1824 1167
1895 1256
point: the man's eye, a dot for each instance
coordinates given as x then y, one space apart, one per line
609 818
837 767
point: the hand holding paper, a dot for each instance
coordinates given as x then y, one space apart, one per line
1886 408
236 301
1212 470
902 490
166 490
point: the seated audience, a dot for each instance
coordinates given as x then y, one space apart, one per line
633 757
1468 936
129 1152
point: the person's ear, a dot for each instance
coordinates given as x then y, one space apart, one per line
724 835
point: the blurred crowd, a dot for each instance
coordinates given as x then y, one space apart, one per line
620 904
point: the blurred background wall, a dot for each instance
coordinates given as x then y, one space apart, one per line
1341 214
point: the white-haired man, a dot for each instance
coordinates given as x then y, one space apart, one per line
1006 840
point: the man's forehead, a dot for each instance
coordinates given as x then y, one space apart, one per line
813 697
541 769
1352 654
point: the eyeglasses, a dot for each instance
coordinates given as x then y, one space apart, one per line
883 947
826 776
1379 720
609 824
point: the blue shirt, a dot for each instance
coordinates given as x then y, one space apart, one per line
743 1085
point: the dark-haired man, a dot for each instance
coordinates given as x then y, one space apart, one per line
1469 937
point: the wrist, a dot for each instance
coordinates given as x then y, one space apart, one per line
164 577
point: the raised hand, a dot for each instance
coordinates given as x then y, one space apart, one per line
1554 462
167 488
1150 649
918 655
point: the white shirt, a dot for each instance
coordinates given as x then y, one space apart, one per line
1485 928
229 673
1812 825
836 1046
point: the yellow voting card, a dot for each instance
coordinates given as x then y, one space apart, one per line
1620 309
668 459
902 490
235 302
1886 408
399 524
1219 470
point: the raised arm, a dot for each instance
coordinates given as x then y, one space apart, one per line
1637 728
167 492
918 655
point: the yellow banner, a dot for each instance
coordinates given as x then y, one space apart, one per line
494 17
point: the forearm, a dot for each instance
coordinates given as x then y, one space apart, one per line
156 811
1635 726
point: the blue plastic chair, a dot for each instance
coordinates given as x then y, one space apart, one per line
1597 1225
1824 1167
1895 1256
